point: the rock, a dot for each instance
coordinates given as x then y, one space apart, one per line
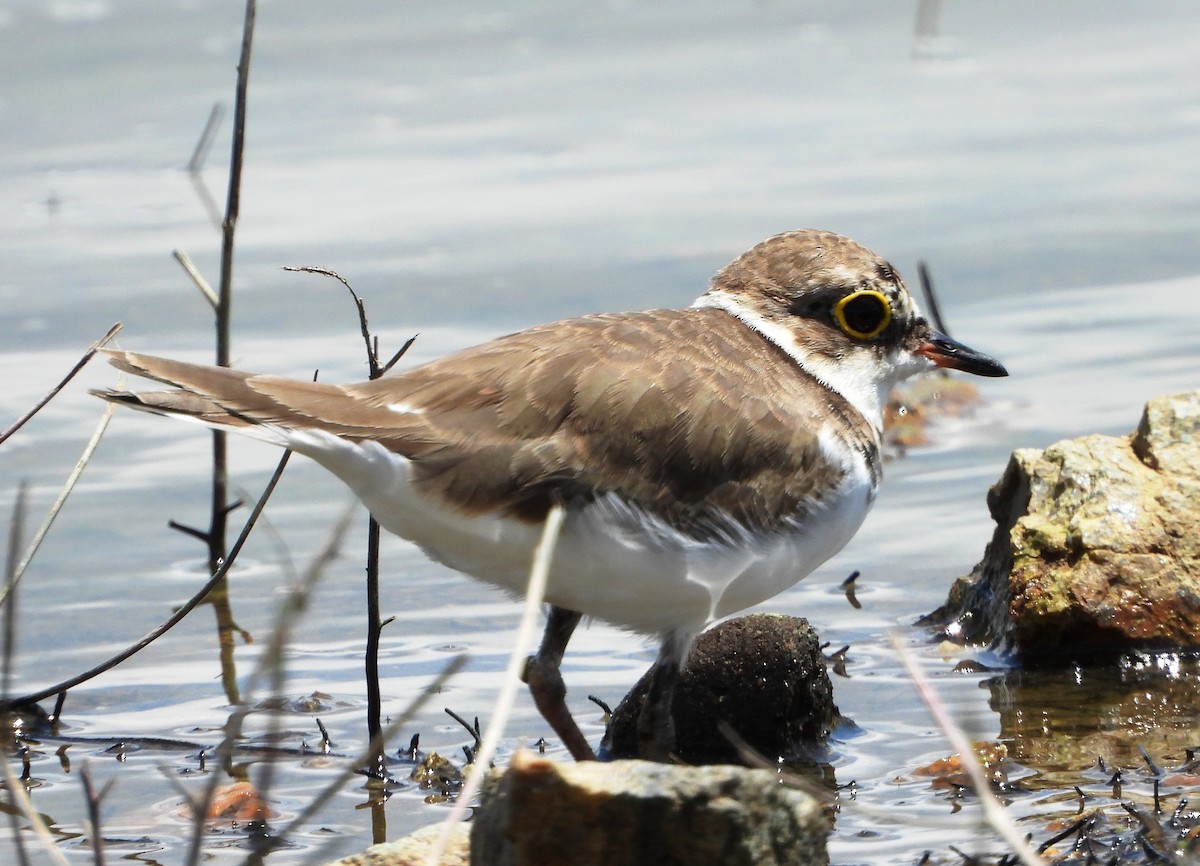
543 813
415 848
763 674
1097 545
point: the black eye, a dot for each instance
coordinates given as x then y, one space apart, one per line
864 314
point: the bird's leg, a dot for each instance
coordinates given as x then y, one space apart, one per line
656 724
546 684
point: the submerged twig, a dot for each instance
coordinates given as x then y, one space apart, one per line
79 365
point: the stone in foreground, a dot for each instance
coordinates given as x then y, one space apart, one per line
632 813
414 849
1097 545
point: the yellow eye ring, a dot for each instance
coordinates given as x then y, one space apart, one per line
863 315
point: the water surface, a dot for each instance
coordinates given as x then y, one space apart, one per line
473 168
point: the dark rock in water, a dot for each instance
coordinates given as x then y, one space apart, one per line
762 674
632 813
1097 545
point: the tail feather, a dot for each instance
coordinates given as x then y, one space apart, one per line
218 396
223 397
182 403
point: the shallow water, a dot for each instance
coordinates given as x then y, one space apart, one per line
475 168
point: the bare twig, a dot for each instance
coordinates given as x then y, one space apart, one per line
399 354
473 730
48 520
375 621
376 368
181 612
233 201
372 349
219 506
87 356
270 666
295 603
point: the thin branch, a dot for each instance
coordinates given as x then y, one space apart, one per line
201 534
371 652
181 612
372 352
400 354
374 615
198 278
234 198
87 356
69 486
219 507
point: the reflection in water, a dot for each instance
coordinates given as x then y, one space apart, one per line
1061 722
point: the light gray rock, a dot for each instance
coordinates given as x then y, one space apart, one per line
633 813
1097 545
414 850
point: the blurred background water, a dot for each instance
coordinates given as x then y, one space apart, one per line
476 167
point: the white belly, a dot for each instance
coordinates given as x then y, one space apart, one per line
609 563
